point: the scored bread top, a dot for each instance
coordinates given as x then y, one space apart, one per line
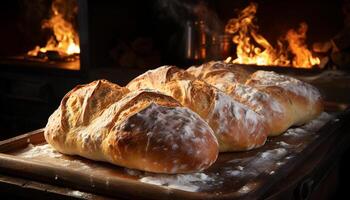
236 126
227 73
268 78
143 129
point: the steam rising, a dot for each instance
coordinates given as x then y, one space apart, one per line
184 11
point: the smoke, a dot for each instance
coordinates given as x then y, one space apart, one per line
178 11
182 11
36 11
68 9
210 17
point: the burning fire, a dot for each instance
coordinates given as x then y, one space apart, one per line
65 40
253 48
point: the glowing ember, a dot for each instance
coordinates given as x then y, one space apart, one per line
253 48
65 40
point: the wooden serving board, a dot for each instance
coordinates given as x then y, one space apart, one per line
240 175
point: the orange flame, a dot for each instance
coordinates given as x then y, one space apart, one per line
65 39
296 39
245 34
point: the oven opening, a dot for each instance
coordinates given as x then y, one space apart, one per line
46 35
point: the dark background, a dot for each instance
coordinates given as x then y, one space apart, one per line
115 26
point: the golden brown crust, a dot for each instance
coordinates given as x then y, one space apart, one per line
158 76
227 72
143 130
280 107
173 143
79 108
236 127
230 80
304 101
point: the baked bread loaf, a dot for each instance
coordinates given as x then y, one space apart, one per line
230 79
305 101
271 100
274 108
227 73
143 130
236 127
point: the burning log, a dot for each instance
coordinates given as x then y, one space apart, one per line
336 49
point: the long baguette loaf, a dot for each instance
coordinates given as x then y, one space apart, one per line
142 130
280 106
236 126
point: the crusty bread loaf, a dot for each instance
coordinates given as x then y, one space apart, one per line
236 127
274 108
227 73
269 99
143 130
231 78
305 101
